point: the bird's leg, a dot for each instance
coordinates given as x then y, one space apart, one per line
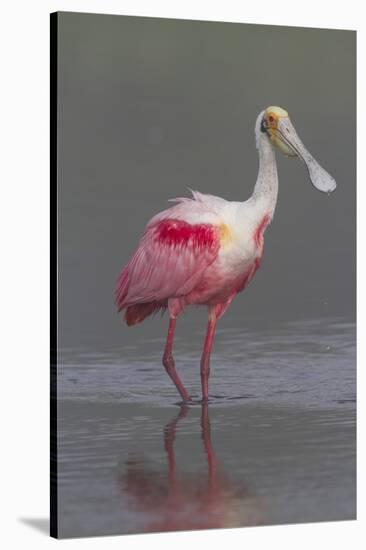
205 359
206 438
212 493
169 437
168 361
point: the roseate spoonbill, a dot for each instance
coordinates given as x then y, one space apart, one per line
205 249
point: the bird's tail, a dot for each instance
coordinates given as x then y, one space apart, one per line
122 289
138 312
135 313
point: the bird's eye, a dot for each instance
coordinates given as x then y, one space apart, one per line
271 118
263 125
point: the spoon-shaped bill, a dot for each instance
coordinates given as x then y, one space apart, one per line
318 176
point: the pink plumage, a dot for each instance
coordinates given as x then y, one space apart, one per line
177 262
169 262
188 255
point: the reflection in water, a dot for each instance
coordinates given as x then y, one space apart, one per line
174 502
292 437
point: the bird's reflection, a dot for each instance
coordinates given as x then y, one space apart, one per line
172 501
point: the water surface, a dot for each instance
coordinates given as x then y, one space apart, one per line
276 443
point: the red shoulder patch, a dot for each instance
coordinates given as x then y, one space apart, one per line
178 233
258 233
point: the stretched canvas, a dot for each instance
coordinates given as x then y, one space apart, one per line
203 354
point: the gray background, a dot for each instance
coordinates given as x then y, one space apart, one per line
149 107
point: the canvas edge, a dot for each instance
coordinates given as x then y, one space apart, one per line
53 274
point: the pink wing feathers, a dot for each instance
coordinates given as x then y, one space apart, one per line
171 257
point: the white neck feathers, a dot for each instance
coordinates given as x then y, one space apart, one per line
266 188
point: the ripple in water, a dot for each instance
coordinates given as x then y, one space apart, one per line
310 364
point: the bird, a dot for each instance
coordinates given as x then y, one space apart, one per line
204 250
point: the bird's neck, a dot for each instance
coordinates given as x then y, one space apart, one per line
266 188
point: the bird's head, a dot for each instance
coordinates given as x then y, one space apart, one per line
276 124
